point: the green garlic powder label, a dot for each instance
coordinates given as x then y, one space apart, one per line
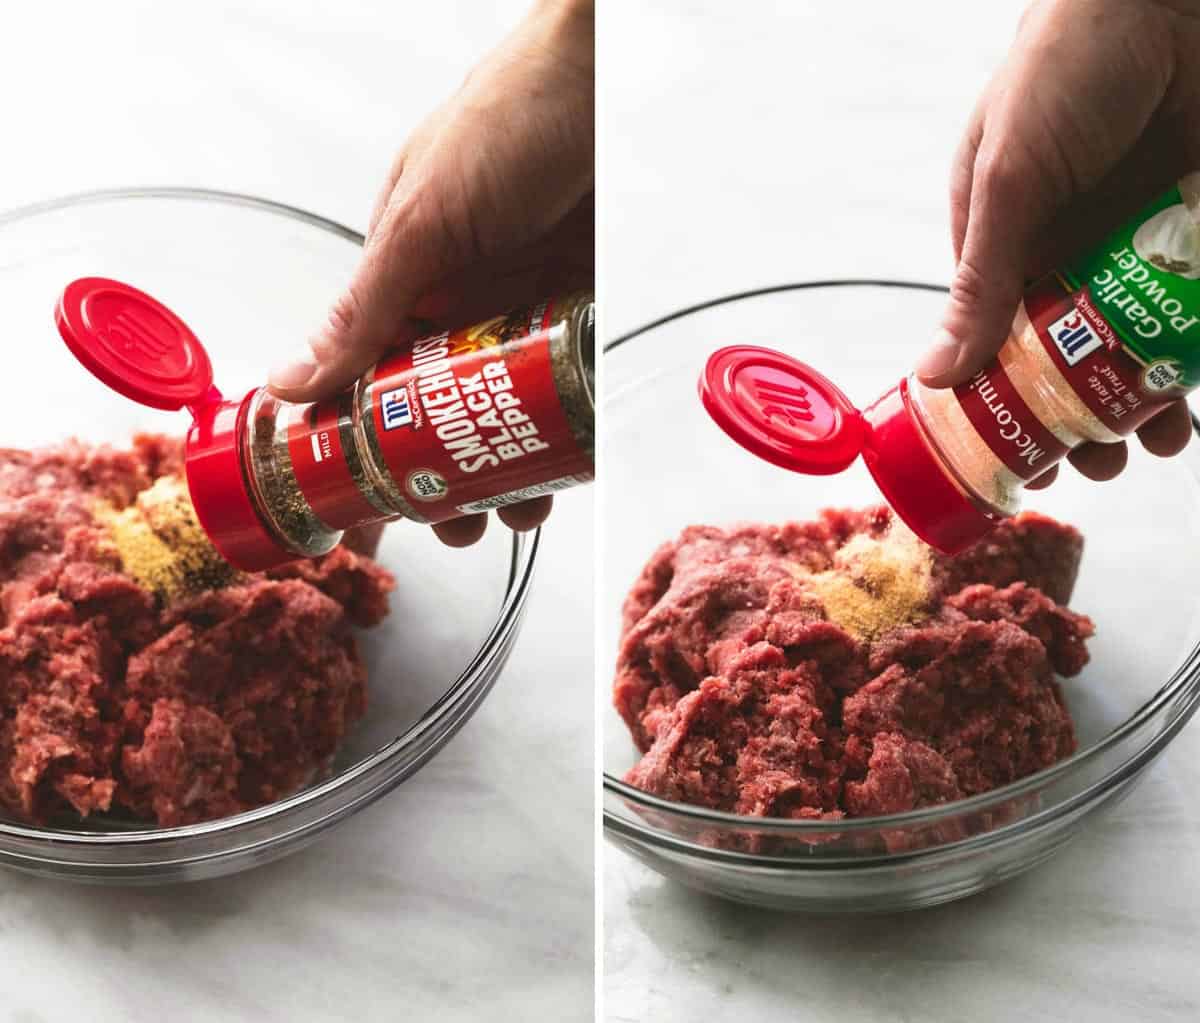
1145 280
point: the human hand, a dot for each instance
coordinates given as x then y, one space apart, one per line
488 205
1095 110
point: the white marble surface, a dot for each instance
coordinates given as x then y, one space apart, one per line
466 894
748 144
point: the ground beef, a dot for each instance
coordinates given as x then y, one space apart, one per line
755 740
744 696
177 713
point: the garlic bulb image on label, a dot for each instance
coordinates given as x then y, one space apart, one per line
1170 240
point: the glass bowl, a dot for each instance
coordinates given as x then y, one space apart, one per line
251 278
667 466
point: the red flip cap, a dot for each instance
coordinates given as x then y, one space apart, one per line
142 350
789 414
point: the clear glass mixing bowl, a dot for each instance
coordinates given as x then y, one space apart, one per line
666 466
251 278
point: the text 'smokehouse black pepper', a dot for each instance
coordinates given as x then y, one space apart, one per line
457 423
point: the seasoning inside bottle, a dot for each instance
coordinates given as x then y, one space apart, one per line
461 422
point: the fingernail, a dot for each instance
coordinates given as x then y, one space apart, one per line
294 374
940 358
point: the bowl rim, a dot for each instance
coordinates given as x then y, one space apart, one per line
453 703
1177 684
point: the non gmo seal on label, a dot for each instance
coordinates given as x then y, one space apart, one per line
1162 375
426 485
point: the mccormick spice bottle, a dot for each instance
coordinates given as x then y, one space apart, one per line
1096 349
456 423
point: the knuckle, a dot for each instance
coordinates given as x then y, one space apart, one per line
998 178
426 225
346 312
969 287
345 317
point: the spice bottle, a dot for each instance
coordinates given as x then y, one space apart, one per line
455 423
1096 348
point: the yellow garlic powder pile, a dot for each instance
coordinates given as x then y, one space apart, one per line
877 583
162 545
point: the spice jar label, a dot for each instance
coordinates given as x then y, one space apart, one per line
463 417
1010 427
321 445
1098 347
1115 385
1122 323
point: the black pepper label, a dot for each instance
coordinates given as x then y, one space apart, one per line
463 417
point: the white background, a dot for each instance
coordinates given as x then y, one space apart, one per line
466 894
747 143
757 143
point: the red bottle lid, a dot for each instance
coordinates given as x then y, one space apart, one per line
142 350
789 414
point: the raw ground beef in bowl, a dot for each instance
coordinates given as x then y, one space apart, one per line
123 699
839 668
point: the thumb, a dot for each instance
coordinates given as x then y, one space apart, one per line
1008 207
411 248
